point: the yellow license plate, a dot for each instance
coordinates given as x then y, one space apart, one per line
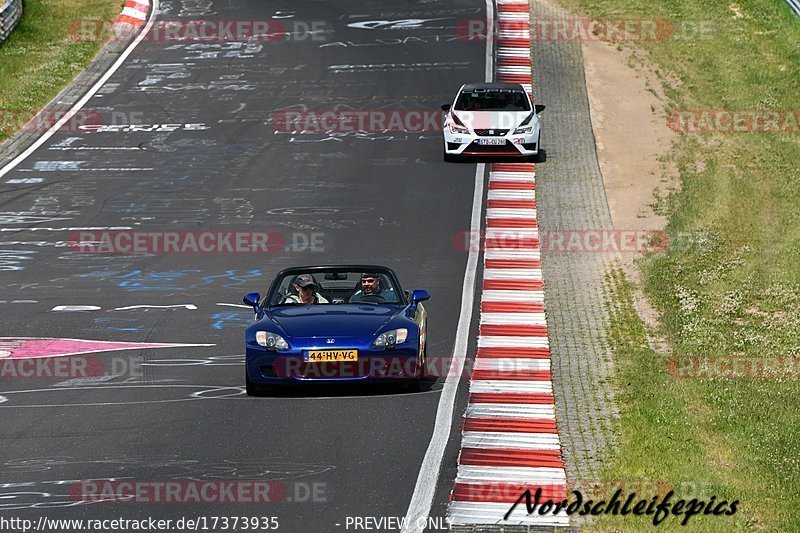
324 356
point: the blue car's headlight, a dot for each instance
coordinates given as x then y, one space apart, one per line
390 338
271 340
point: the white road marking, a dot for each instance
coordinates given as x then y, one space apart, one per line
511 474
82 382
530 319
516 233
512 363
497 175
134 13
75 308
527 441
512 273
422 499
190 307
101 228
514 52
505 194
503 410
513 296
509 212
508 341
506 15
514 69
512 254
82 102
514 386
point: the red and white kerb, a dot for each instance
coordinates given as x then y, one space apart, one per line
514 43
134 13
510 441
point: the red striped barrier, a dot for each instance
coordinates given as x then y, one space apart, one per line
510 429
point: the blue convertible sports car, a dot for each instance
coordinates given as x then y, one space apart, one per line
347 324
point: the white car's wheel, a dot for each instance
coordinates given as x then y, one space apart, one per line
538 157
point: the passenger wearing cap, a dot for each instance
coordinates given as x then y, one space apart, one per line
306 292
371 286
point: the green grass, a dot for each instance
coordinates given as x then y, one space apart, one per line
730 282
40 58
661 442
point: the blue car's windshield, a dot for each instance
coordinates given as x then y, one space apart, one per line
335 287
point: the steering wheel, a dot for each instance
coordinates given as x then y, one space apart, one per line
374 298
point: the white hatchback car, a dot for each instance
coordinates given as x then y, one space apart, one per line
492 119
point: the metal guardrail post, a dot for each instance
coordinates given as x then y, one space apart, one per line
10 13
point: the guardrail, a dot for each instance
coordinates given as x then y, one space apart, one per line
10 13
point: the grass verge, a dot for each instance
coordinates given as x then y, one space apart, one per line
729 285
41 56
661 446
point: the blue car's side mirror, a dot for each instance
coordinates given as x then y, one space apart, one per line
420 295
252 299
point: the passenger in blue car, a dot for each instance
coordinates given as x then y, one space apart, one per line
371 290
306 291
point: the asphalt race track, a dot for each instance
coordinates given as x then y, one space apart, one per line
157 414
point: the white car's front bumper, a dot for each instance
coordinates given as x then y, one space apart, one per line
526 144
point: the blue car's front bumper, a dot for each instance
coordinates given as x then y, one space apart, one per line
269 367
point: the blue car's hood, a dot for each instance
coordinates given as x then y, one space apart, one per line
339 320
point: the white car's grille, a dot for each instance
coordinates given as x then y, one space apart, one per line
490 133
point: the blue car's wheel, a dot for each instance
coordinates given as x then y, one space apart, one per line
415 385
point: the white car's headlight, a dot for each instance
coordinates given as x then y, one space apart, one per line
271 340
527 125
458 129
390 338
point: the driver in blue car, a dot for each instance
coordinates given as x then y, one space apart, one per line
371 287
306 292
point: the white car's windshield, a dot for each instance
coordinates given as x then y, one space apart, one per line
489 100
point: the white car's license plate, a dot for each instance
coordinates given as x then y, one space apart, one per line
492 142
